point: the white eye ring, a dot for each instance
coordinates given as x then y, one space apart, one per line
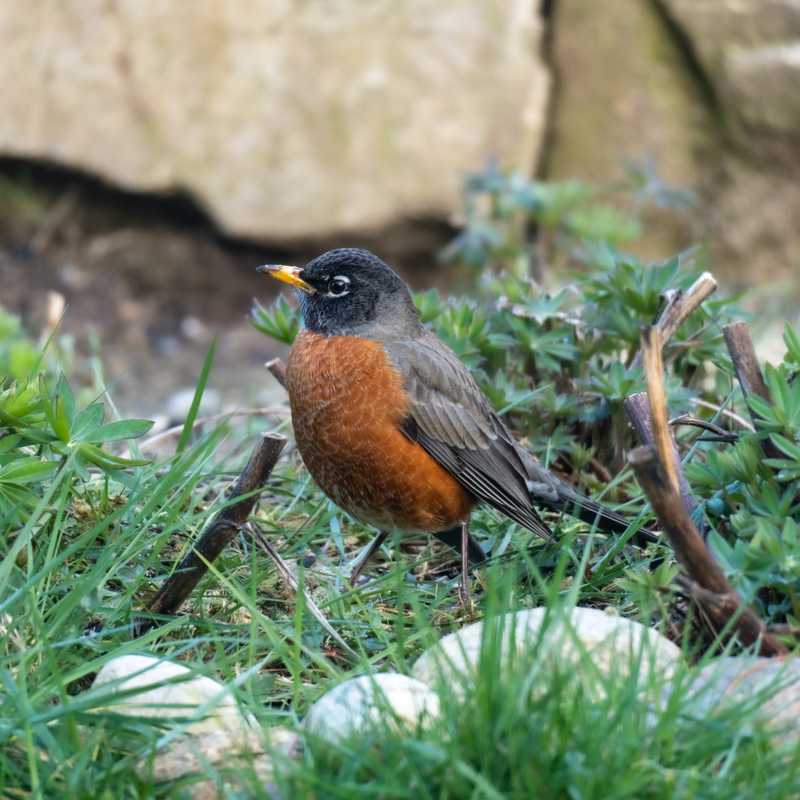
338 286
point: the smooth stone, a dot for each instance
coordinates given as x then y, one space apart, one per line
257 755
369 701
733 680
612 643
283 120
169 690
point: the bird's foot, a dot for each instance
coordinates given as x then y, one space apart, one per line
365 556
464 596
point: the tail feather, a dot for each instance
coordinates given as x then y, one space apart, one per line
547 490
595 514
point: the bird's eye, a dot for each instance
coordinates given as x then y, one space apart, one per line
338 286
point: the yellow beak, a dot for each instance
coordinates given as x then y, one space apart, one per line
290 275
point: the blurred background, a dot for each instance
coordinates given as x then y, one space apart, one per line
153 153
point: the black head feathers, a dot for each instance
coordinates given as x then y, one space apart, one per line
350 291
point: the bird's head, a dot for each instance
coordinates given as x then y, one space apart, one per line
350 292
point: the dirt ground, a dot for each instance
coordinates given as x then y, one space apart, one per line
149 282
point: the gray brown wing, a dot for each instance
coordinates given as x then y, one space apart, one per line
452 420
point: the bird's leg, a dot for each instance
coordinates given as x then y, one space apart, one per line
366 555
463 591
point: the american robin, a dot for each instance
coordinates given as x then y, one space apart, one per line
392 425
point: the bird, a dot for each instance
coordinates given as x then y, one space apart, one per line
392 425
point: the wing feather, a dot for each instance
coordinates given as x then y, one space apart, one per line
452 420
450 417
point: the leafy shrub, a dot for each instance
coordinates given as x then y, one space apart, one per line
42 427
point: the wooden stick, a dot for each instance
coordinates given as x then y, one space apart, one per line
220 531
657 398
652 465
748 373
366 555
637 409
690 549
709 586
717 434
277 367
679 307
740 421
743 354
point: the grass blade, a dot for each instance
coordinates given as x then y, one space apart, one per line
198 396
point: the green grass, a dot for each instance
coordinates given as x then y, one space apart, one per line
86 539
92 552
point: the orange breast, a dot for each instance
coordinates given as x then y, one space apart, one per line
348 405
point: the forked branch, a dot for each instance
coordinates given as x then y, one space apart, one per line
709 586
680 305
638 407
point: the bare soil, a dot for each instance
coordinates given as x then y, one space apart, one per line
151 281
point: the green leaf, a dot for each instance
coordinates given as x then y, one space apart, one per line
27 470
54 411
790 448
792 341
9 442
280 321
122 429
18 403
87 419
66 397
23 358
107 461
429 304
761 408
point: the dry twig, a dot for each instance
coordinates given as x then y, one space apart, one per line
725 412
219 532
637 409
277 367
657 399
719 434
708 586
743 354
679 306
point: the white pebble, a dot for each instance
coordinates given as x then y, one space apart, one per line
768 686
259 751
370 700
614 647
169 690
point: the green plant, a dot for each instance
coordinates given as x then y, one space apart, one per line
752 501
18 355
42 429
569 217
88 534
